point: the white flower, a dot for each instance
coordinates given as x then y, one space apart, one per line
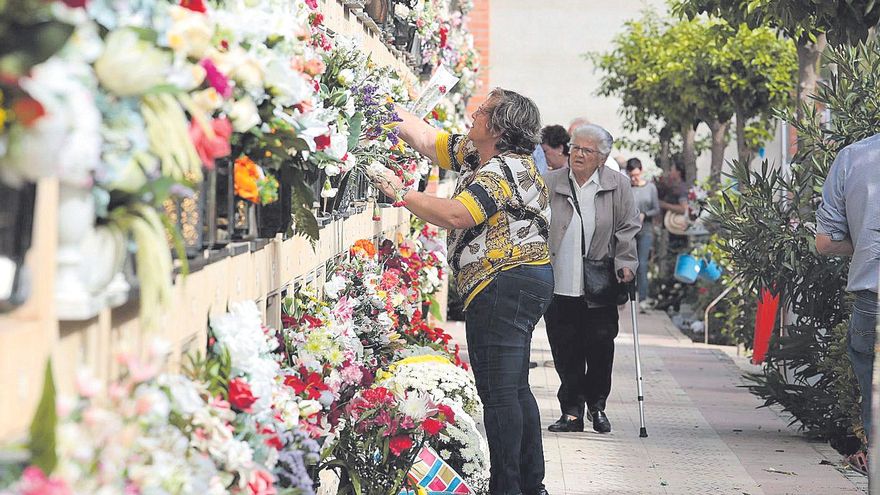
288 87
385 320
433 276
130 66
338 146
416 406
207 100
244 114
309 407
331 169
345 77
190 32
239 456
66 141
334 285
328 191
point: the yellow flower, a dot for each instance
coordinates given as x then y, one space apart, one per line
2 118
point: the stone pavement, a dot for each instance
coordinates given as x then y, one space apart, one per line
705 433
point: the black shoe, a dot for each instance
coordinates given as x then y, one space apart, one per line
533 364
600 422
542 491
567 424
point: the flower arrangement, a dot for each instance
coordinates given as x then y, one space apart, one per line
459 445
354 381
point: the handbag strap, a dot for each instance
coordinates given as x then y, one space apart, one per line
577 207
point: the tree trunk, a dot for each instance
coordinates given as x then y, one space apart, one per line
719 143
744 153
689 153
665 157
809 55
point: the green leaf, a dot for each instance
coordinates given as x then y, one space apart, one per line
42 432
434 308
354 130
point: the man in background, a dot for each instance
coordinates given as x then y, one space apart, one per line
848 224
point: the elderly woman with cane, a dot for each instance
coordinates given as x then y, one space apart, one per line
593 249
498 221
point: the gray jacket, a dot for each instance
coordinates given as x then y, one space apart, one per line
617 218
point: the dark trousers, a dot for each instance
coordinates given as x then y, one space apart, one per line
499 324
582 343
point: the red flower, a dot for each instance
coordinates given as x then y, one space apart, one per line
75 4
28 111
322 142
432 426
240 395
317 19
194 5
447 413
444 36
400 444
312 383
271 438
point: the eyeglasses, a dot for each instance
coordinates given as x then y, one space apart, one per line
574 149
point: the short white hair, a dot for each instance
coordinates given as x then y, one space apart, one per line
597 133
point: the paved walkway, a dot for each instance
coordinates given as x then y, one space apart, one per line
705 434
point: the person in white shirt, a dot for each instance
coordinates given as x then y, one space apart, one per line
582 331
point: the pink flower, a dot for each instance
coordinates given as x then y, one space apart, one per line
34 482
215 78
211 147
313 4
261 482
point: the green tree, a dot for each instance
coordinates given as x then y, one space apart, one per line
756 69
770 242
658 70
810 23
699 70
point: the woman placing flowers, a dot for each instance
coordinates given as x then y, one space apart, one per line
498 224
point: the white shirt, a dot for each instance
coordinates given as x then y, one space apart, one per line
613 165
568 270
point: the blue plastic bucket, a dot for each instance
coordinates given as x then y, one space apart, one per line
687 268
709 270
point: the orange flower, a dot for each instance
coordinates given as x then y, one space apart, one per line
364 246
247 173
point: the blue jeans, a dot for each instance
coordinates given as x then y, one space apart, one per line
644 243
499 324
861 337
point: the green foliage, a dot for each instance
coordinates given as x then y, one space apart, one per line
844 385
29 34
42 432
674 74
767 232
844 21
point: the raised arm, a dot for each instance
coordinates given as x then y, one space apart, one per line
417 133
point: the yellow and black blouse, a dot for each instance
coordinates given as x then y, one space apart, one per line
510 204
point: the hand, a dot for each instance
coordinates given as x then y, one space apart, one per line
641 218
384 179
627 277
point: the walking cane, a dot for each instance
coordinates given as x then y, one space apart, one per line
631 289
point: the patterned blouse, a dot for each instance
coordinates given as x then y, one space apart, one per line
510 204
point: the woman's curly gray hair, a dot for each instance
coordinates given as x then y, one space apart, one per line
516 119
